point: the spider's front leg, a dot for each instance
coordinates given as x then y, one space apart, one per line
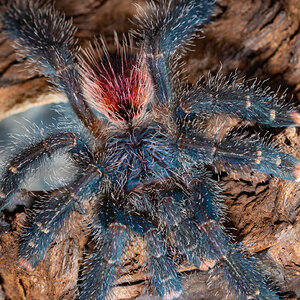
183 232
49 214
236 152
46 39
111 231
245 279
162 268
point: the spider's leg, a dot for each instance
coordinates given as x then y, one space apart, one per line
49 215
166 30
28 159
183 232
251 103
46 38
162 268
242 274
240 152
111 234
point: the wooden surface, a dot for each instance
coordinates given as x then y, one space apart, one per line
258 38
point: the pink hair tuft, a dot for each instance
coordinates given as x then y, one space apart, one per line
116 84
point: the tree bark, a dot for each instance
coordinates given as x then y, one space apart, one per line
257 39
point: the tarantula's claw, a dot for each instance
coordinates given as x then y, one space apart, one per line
80 208
297 173
296 117
207 265
2 200
4 226
25 264
172 295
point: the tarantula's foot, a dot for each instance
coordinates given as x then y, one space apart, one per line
296 117
3 200
207 265
81 208
25 264
4 226
172 295
297 173
254 296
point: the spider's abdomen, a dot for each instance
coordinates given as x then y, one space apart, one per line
140 156
118 85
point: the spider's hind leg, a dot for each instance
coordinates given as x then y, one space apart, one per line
46 39
24 161
221 95
166 30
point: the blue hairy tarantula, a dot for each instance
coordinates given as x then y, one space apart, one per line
146 165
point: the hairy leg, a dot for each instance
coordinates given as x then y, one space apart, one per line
46 38
161 267
166 30
240 273
110 232
183 232
221 95
110 228
50 213
236 152
23 162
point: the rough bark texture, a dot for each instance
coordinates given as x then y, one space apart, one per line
260 38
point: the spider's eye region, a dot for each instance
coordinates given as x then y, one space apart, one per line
118 86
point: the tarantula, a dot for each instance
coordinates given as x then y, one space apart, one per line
146 164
